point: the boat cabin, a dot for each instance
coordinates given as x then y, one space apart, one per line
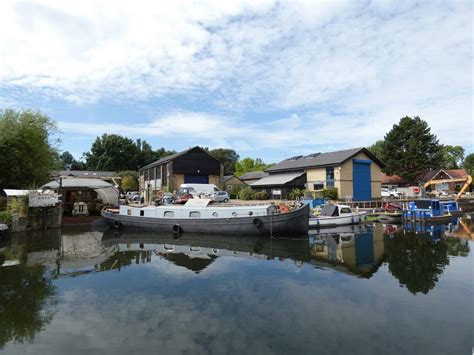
336 211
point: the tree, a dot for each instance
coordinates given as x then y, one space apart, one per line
227 157
66 160
129 180
28 151
468 164
377 149
247 165
114 153
453 156
410 149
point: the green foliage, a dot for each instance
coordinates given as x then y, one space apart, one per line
377 149
261 195
129 183
28 148
227 157
453 157
6 216
468 164
68 162
329 193
247 194
115 153
294 194
247 165
27 300
410 149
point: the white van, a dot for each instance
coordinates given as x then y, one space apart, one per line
207 189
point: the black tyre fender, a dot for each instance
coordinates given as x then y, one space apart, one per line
257 222
177 229
117 223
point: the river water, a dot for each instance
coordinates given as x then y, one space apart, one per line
375 289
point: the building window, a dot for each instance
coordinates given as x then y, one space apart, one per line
318 186
330 176
146 175
165 175
152 174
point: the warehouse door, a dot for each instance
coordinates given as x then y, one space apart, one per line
361 180
196 179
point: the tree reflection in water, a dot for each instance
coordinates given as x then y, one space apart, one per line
416 261
27 298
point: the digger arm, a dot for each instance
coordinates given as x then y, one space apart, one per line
467 181
464 188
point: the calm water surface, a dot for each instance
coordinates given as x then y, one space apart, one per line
373 290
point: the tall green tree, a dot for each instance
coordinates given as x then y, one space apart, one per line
247 165
468 164
410 149
112 152
227 157
453 156
377 148
27 148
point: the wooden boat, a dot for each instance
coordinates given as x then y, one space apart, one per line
336 215
197 216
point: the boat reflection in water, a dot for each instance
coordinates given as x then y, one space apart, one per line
197 251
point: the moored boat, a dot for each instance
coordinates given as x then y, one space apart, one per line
337 215
197 216
431 211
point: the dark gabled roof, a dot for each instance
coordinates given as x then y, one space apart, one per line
174 156
452 173
253 175
228 177
321 159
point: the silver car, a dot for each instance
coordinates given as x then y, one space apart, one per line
221 196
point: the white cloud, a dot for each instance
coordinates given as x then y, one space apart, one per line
346 68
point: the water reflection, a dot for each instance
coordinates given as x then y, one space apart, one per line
262 271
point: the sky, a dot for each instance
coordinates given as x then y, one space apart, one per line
269 79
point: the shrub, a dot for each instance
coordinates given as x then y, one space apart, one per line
247 194
329 193
262 195
6 216
294 194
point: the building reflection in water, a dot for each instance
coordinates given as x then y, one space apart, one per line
358 249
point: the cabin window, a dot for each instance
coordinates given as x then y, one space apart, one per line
215 214
169 214
345 210
129 212
330 176
142 213
195 214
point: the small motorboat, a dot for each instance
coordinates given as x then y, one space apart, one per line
336 215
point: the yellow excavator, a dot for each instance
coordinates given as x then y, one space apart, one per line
467 181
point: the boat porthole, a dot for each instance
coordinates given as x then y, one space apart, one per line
177 229
257 222
250 213
215 214
234 214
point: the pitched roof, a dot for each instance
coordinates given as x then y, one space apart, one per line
84 173
78 183
320 159
174 156
391 179
253 175
452 173
277 179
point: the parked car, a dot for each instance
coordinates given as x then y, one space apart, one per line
221 196
391 193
